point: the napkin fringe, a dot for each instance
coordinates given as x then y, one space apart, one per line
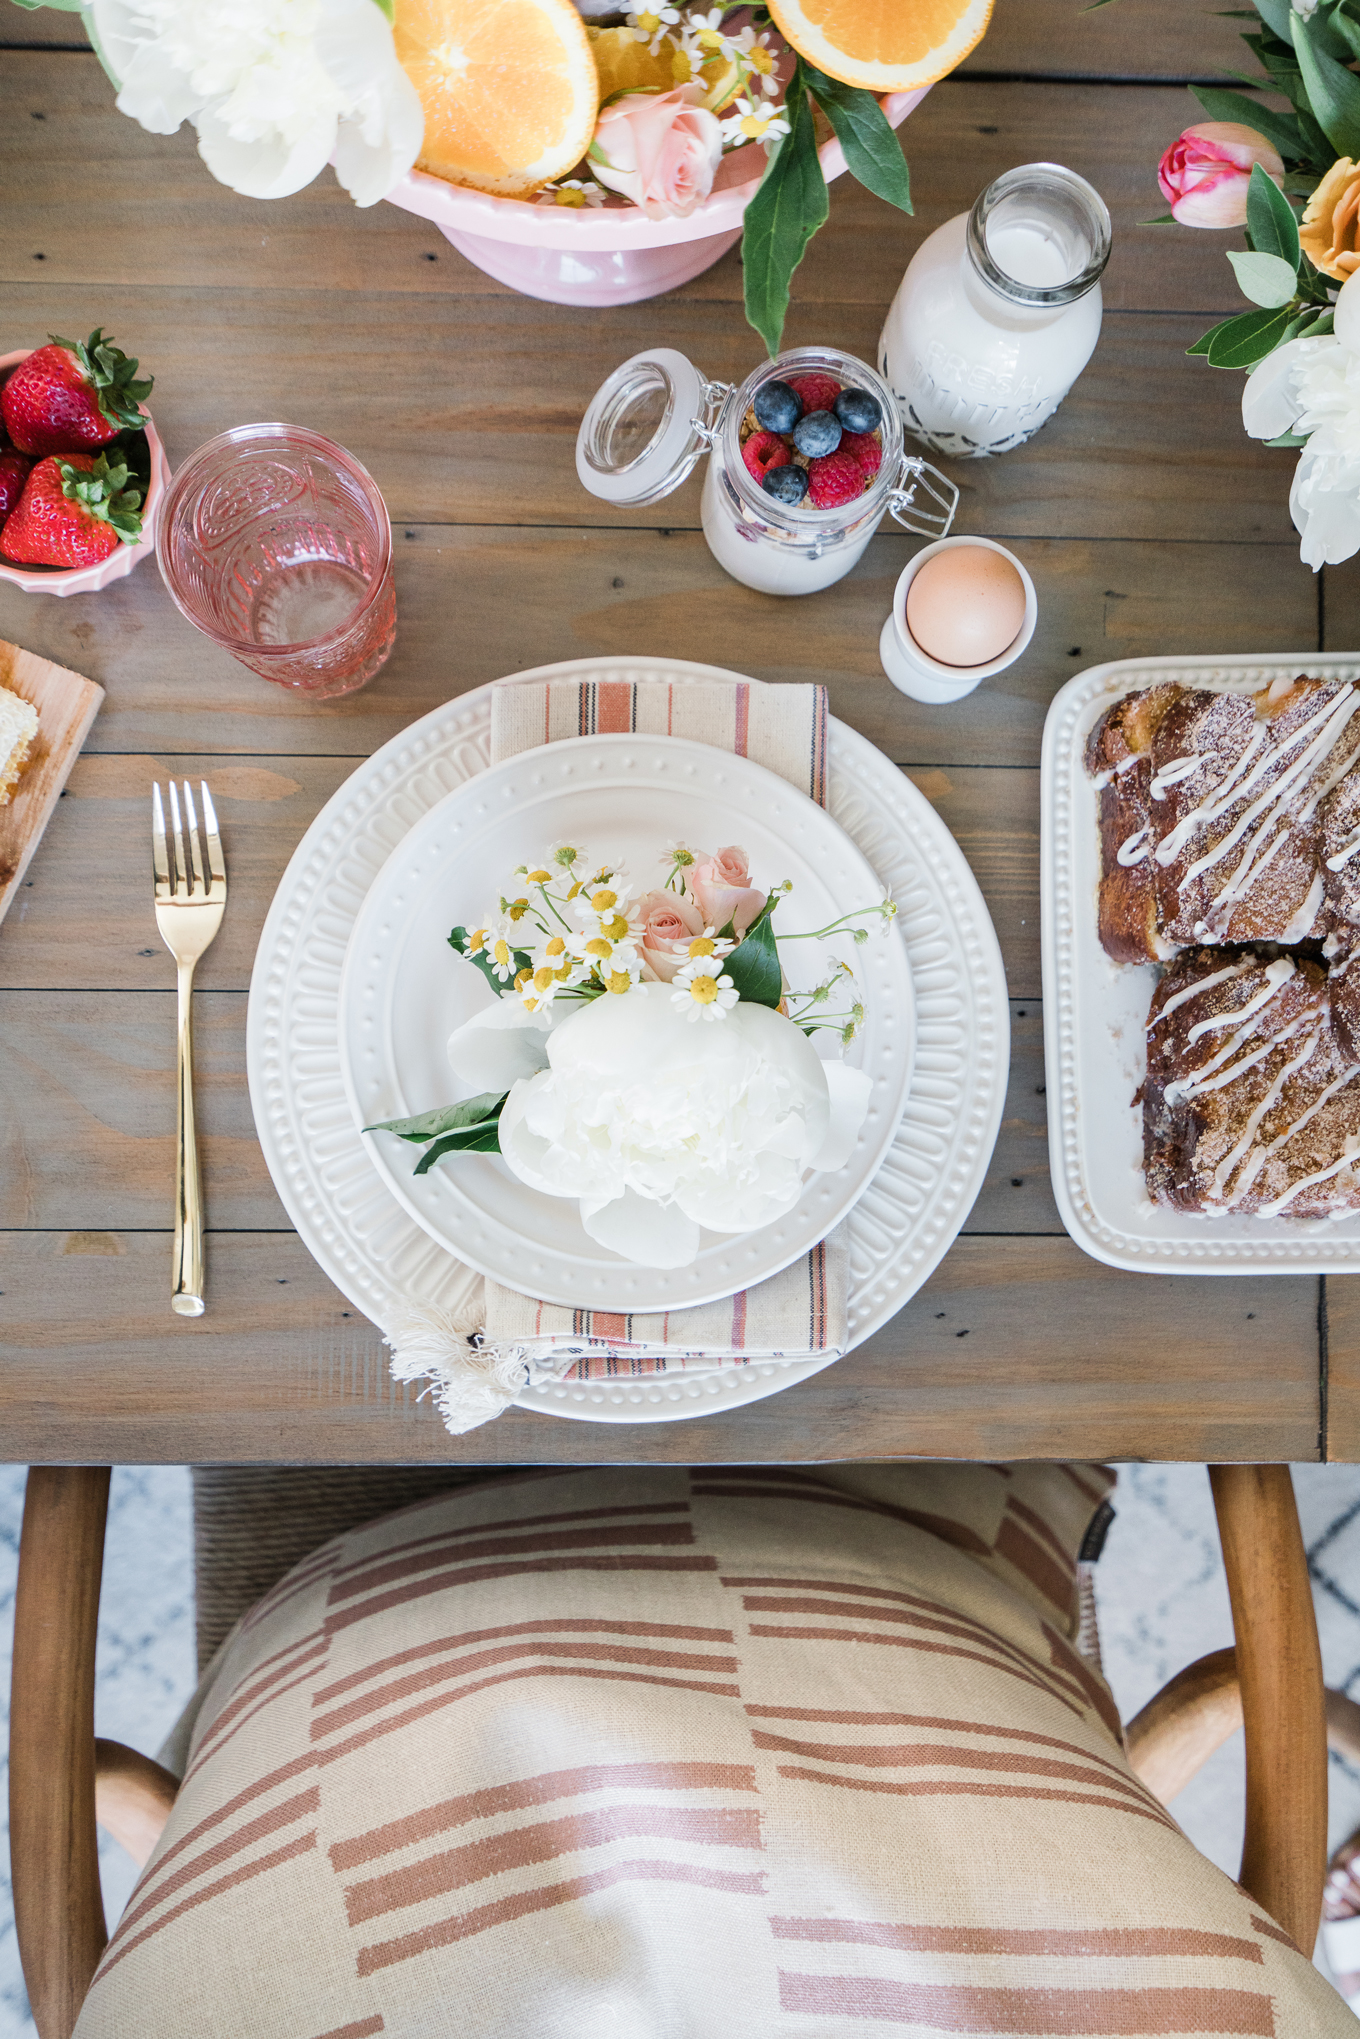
470 1380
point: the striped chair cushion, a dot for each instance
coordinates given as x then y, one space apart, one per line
678 1754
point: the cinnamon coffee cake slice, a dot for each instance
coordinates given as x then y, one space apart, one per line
1252 1098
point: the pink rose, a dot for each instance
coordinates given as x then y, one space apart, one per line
669 925
1206 172
660 149
721 888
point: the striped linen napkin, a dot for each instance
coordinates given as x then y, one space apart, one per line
479 1358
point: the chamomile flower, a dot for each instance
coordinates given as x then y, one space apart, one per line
544 983
709 943
700 993
707 29
758 61
607 954
564 855
651 24
603 910
500 953
751 121
573 191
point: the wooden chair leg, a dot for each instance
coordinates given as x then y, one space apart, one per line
133 1795
1279 1664
58 1907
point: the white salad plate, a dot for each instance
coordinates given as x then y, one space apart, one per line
1095 1015
374 1250
622 798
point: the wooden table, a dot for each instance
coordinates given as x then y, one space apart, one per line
1150 523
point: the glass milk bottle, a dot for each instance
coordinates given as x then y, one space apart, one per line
998 313
650 423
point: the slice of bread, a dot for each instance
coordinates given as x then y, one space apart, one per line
18 727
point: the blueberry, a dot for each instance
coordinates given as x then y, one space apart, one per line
786 484
819 432
858 411
777 407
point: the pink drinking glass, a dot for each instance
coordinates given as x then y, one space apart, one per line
277 545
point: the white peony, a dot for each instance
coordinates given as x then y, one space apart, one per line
1313 387
660 1128
276 88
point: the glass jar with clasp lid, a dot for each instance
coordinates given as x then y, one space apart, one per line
651 422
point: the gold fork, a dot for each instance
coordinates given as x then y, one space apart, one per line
188 913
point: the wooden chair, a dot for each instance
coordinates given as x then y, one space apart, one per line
63 1782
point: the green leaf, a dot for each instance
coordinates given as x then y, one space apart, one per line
1280 128
753 965
1243 341
1288 439
1265 279
386 7
1206 340
781 219
1270 219
873 153
483 1139
458 939
1163 219
1333 92
1275 14
448 1118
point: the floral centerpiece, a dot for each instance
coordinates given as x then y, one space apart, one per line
527 100
1291 177
646 1055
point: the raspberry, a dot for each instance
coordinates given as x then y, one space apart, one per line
835 479
863 447
819 392
762 451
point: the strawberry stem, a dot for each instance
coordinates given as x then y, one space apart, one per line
102 492
110 373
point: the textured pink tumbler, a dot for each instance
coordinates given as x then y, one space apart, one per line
277 545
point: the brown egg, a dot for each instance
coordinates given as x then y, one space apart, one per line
966 605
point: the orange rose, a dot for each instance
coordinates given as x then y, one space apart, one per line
1329 230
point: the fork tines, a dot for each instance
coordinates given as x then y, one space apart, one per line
180 875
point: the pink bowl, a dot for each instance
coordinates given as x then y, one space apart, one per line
609 255
85 580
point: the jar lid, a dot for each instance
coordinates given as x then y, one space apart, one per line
644 428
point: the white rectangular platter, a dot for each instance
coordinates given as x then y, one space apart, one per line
1095 1012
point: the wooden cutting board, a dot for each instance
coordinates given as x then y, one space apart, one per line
66 705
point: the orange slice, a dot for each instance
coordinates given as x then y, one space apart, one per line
627 65
509 89
883 45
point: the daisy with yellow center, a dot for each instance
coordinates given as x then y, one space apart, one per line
700 992
750 121
501 957
651 24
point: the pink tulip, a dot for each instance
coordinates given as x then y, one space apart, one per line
660 149
1205 173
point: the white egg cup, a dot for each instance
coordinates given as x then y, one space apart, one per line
911 670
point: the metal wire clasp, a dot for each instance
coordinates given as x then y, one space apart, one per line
715 395
926 481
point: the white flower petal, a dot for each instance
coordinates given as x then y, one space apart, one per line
1269 405
269 167
648 1233
849 1091
500 1045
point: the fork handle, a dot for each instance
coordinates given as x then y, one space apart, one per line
186 1295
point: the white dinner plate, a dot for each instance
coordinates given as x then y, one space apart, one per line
1095 1015
372 1249
404 989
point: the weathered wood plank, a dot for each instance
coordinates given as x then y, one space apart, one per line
1016 1348
1151 39
83 918
1341 1320
463 619
1149 445
87 1117
187 230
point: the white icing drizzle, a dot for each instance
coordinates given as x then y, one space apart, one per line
1348 1155
1318 733
1172 773
1299 922
1278 973
1129 851
1248 1139
1310 806
1214 1075
1179 998
1346 852
1249 1176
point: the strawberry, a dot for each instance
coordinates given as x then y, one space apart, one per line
75 510
72 396
13 474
